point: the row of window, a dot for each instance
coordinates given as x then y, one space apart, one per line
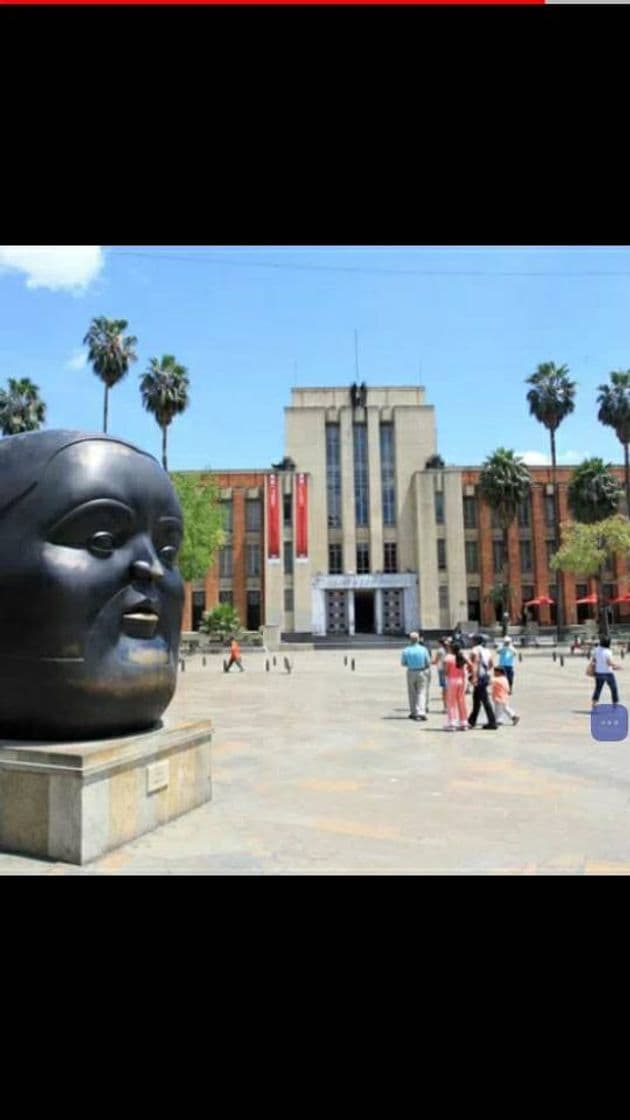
253 515
335 558
498 556
523 516
361 474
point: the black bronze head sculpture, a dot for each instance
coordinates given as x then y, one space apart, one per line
90 594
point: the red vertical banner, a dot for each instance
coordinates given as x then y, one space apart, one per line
301 518
273 518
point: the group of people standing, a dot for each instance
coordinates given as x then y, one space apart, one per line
461 672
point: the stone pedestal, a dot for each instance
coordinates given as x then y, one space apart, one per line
75 801
271 637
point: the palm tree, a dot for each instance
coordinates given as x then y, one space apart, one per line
504 483
164 389
21 407
551 398
110 353
614 411
594 493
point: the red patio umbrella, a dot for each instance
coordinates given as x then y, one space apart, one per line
621 598
541 601
588 600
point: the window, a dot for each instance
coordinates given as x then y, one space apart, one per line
198 607
225 562
287 510
497 557
439 507
390 550
288 598
361 488
550 511
388 475
527 592
441 555
333 475
494 519
253 610
253 559
581 590
443 598
226 597
470 513
523 514
288 557
253 515
474 605
363 559
472 556
226 512
526 555
335 560
550 545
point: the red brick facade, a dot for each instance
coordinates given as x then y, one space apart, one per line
541 578
239 483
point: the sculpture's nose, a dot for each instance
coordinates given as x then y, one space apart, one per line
147 569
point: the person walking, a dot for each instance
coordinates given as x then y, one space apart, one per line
235 656
506 661
602 668
438 660
482 665
500 695
415 659
455 668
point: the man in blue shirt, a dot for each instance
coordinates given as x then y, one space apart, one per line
506 661
415 658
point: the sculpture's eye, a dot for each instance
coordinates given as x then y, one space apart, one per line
101 544
99 527
167 540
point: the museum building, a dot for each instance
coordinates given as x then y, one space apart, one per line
358 531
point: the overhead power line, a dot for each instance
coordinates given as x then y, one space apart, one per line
203 257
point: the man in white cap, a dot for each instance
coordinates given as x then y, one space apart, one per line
415 659
506 661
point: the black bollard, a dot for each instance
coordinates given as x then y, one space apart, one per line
225 668
554 655
352 665
520 656
287 664
345 660
274 660
562 661
267 665
182 665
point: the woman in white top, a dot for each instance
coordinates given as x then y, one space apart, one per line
603 666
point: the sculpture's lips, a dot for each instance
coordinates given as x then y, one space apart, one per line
140 624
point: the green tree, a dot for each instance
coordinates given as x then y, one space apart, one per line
504 483
164 389
586 550
110 353
551 398
614 411
593 493
21 407
221 621
203 523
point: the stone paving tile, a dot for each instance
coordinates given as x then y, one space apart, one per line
321 773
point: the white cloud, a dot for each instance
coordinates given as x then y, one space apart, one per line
543 458
70 267
78 360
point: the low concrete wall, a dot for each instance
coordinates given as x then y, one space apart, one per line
76 801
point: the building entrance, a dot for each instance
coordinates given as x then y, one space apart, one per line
364 612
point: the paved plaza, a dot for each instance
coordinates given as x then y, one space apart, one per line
321 772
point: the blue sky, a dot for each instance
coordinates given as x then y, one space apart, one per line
470 324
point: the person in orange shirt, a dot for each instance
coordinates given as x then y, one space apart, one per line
501 696
235 656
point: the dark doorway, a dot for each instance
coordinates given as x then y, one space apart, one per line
364 612
253 610
198 607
